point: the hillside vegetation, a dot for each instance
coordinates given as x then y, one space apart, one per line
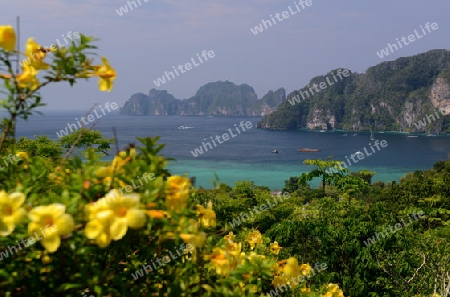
389 96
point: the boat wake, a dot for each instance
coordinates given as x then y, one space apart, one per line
184 127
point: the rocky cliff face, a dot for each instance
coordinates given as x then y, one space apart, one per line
390 96
440 94
218 98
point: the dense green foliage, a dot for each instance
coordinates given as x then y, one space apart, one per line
43 146
413 261
338 227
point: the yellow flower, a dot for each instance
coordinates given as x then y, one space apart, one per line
292 269
305 269
177 193
7 38
254 238
27 79
235 249
11 211
275 248
111 217
333 288
333 291
207 217
229 238
254 256
279 281
51 217
35 55
220 261
118 162
22 155
106 75
157 214
55 178
104 171
197 240
305 290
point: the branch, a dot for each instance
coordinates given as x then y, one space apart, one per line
79 136
417 270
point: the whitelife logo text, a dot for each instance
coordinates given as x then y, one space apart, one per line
90 118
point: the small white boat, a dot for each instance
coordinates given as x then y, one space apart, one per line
356 154
322 131
182 127
431 135
412 136
275 151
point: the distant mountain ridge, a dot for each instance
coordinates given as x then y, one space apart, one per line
396 95
215 98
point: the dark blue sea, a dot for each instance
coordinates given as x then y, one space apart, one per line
249 155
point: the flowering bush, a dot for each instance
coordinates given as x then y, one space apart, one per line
93 235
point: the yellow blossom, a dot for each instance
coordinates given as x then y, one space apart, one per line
275 248
54 220
220 261
22 155
11 211
177 193
234 249
279 281
35 55
230 237
104 171
111 216
292 269
27 79
7 38
157 214
254 238
333 291
106 75
197 240
305 269
118 162
254 256
207 217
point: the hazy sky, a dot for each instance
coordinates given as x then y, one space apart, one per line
159 34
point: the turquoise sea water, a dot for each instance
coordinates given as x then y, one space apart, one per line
248 155
272 176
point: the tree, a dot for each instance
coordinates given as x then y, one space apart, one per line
351 185
42 146
89 138
329 170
